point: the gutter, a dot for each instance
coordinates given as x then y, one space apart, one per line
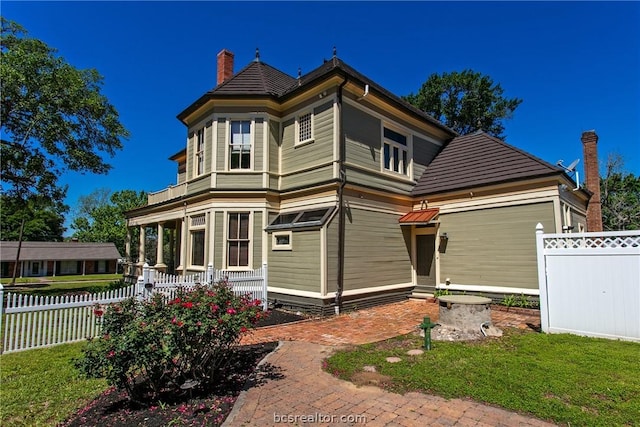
341 208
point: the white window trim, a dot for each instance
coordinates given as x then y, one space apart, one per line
297 141
227 145
196 153
225 230
280 247
407 148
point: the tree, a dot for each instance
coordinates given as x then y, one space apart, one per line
105 221
465 101
53 117
43 219
619 196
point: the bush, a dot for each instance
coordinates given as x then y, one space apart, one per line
150 347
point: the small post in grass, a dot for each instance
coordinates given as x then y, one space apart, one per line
426 326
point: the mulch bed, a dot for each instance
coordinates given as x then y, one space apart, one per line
204 408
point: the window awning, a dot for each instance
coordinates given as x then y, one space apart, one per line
423 216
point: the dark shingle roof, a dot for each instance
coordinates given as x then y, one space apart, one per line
257 78
479 159
58 251
261 79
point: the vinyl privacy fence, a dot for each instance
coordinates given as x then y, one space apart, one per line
28 321
590 283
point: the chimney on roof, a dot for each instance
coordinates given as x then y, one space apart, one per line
225 65
592 179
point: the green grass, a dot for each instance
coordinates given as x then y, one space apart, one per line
71 278
52 286
41 387
565 378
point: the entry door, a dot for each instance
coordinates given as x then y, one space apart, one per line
426 266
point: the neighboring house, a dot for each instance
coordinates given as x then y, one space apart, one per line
351 196
58 258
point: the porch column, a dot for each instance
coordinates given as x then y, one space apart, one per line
160 265
84 267
183 246
172 248
141 253
127 251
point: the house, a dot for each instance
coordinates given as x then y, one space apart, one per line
351 196
58 258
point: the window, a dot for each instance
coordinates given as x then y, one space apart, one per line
395 152
281 241
304 128
240 145
238 240
200 152
301 219
102 266
197 247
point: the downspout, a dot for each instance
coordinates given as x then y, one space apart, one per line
341 209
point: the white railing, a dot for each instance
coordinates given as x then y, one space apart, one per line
28 321
42 321
168 193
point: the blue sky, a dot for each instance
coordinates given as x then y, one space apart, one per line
576 65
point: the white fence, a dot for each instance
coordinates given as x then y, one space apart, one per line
590 283
28 321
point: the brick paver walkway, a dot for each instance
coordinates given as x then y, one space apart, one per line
292 388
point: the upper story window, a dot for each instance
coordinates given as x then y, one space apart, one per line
396 152
200 152
304 128
240 145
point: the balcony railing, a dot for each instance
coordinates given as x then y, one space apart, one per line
169 193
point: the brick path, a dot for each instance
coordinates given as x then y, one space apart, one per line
292 382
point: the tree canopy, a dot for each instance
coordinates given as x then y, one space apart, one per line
103 220
53 117
619 196
43 219
465 101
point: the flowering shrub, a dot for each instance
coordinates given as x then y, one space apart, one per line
150 346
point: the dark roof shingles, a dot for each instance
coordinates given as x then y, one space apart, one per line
479 159
58 251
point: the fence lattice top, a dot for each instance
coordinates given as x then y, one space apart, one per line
592 242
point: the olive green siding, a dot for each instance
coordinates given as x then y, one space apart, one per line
363 139
307 178
298 268
308 155
423 153
200 184
332 254
376 251
222 140
274 137
257 239
258 148
218 239
494 247
379 180
238 181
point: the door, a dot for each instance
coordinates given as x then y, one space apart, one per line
35 268
425 266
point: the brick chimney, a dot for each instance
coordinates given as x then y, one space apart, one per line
225 66
592 179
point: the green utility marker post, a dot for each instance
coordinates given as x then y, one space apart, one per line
426 326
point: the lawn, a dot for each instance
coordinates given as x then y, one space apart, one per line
59 285
568 379
41 387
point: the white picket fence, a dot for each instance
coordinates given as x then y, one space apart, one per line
590 283
28 321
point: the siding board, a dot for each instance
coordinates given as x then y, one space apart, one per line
299 268
494 247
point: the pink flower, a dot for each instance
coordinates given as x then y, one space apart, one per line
231 310
199 323
111 354
214 307
174 320
243 330
98 312
188 304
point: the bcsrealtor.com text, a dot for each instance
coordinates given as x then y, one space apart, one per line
317 418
